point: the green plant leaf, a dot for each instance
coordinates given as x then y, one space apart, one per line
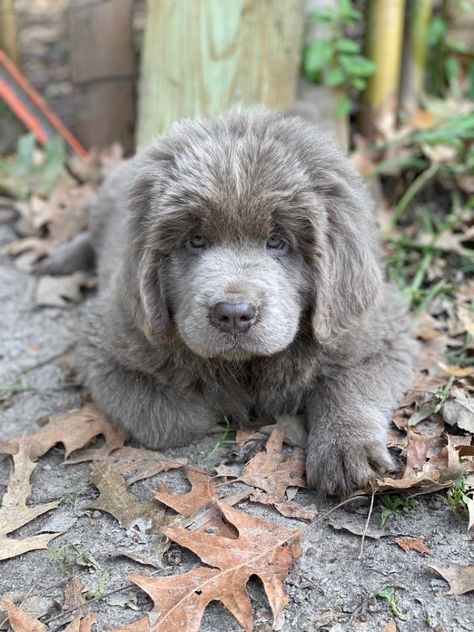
345 45
334 77
317 56
436 31
344 106
357 65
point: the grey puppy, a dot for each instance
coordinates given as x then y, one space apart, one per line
239 275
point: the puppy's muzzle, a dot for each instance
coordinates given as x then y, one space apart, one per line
233 318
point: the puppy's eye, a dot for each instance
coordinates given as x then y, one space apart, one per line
196 242
275 242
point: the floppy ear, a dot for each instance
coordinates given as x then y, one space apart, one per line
151 170
347 274
152 290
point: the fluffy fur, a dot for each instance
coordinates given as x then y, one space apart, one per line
330 339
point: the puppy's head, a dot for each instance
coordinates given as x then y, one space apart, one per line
245 226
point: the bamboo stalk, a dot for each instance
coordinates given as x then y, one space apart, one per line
8 39
414 54
383 42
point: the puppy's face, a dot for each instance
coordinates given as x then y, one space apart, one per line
235 298
242 228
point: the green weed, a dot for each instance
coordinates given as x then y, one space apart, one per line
394 506
70 556
388 593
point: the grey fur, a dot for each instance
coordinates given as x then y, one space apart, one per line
331 340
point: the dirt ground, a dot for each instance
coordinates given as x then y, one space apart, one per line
329 587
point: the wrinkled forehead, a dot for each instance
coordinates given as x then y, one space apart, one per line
235 192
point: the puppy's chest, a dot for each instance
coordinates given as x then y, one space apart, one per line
259 390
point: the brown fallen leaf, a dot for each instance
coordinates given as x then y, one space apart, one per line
413 544
287 508
262 548
274 470
40 247
295 432
460 578
437 472
73 429
81 624
116 500
62 291
142 463
390 626
21 621
199 504
203 493
15 513
357 525
459 410
68 209
73 594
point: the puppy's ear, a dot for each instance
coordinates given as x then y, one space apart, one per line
152 289
347 274
151 172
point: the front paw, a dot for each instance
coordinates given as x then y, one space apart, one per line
337 466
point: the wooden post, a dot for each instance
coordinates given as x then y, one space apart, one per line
103 72
8 40
204 56
384 48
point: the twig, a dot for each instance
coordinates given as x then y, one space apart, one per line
369 516
341 504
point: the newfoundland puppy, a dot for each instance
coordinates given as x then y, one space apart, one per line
239 275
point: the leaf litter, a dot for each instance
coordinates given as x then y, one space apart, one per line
433 434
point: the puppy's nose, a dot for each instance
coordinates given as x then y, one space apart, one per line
233 317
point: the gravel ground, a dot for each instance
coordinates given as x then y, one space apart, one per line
329 587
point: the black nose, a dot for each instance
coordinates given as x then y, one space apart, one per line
233 317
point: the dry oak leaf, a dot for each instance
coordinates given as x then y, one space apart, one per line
287 508
199 504
262 548
21 621
116 500
203 493
438 471
413 544
14 512
142 463
460 578
62 291
139 462
274 470
73 429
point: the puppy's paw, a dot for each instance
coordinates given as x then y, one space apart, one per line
341 465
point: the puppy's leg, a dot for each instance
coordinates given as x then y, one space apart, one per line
348 417
155 416
70 257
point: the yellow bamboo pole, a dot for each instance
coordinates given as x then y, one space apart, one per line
8 41
384 48
414 54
